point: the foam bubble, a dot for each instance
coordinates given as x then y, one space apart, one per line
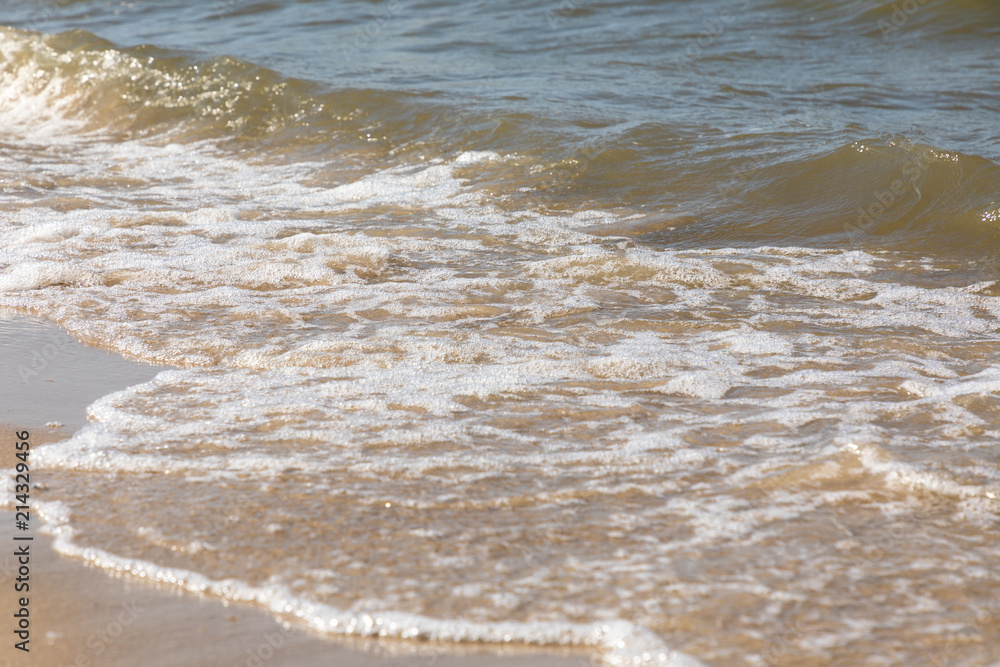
619 642
400 340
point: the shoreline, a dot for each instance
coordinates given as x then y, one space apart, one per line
84 616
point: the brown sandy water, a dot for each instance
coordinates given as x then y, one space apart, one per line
710 369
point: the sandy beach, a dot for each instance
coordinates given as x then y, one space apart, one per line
81 616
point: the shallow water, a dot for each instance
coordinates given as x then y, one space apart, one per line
648 327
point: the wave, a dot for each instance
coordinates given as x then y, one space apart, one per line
889 19
619 643
923 19
879 193
76 82
691 186
889 193
870 194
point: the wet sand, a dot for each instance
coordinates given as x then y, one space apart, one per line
79 615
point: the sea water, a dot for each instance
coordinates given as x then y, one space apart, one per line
663 329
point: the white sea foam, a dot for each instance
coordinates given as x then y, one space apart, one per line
619 643
402 336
